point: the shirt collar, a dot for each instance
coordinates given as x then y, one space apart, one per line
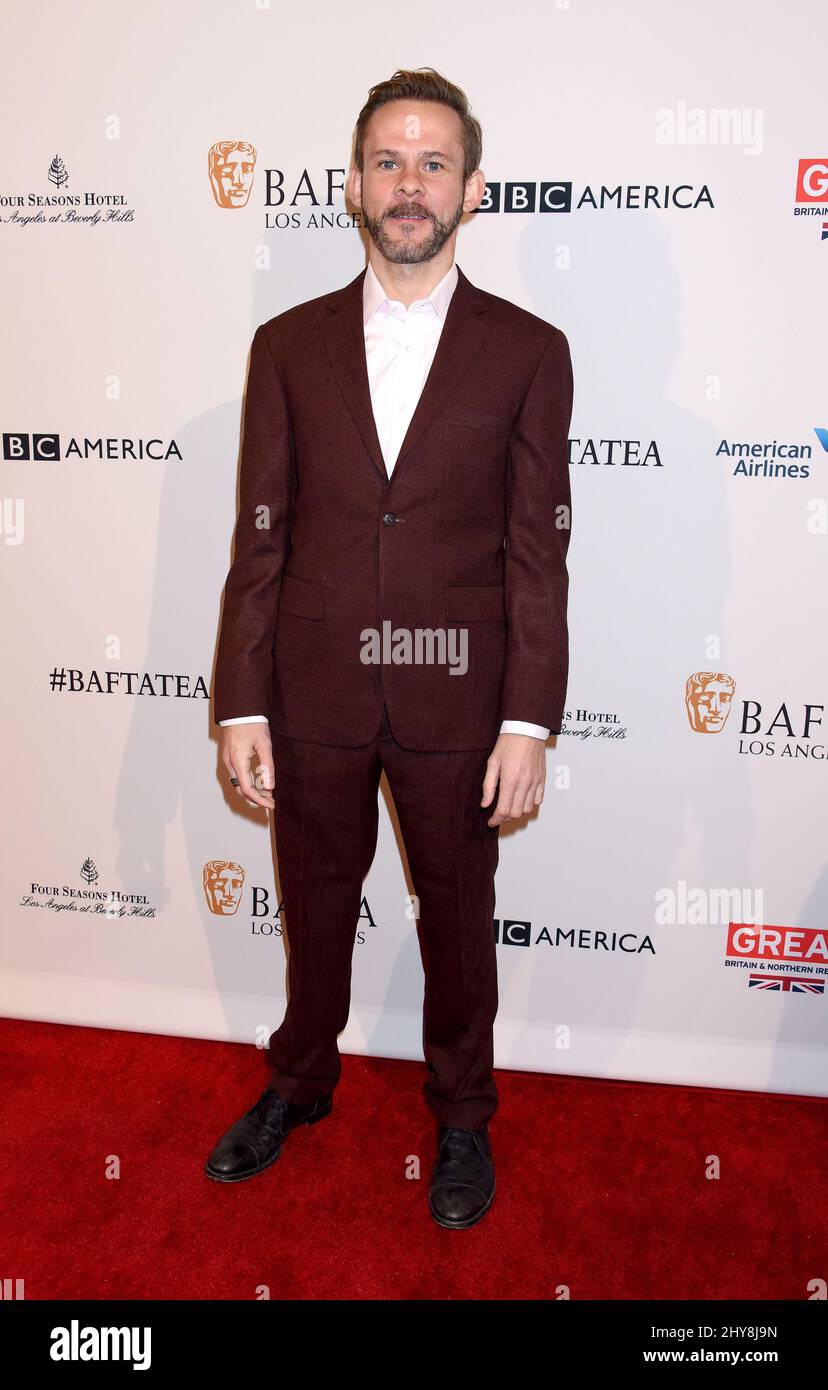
374 296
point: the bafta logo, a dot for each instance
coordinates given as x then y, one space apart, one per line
223 883
231 164
707 698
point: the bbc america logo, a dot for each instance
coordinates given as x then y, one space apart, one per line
526 197
512 933
28 448
557 196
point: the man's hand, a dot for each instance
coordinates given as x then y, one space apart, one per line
241 743
519 762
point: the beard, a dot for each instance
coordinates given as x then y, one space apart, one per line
413 249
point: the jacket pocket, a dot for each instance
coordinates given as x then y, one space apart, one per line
475 603
303 598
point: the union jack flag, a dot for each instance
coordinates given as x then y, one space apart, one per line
787 984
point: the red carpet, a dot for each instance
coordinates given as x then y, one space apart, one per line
601 1184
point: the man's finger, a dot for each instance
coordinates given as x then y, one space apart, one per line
247 788
504 800
490 782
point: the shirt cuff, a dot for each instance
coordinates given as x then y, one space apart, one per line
517 726
248 719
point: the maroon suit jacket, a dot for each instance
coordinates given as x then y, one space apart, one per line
468 532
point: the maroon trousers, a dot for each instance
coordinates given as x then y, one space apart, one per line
326 834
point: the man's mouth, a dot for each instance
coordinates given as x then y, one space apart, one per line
406 217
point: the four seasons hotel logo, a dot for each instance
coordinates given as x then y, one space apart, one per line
78 204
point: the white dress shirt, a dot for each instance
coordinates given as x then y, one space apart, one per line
400 344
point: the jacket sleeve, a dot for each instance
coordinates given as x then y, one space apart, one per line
244 660
537 539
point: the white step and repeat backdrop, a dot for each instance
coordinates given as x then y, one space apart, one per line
658 187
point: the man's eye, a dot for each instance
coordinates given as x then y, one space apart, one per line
437 162
386 161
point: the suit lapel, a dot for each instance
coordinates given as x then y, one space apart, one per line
461 339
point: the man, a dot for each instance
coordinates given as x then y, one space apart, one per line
404 471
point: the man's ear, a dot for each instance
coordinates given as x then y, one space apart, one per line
474 190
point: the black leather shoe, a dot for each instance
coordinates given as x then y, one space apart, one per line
463 1179
255 1141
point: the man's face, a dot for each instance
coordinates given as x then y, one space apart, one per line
411 191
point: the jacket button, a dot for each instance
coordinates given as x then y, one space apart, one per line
389 519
